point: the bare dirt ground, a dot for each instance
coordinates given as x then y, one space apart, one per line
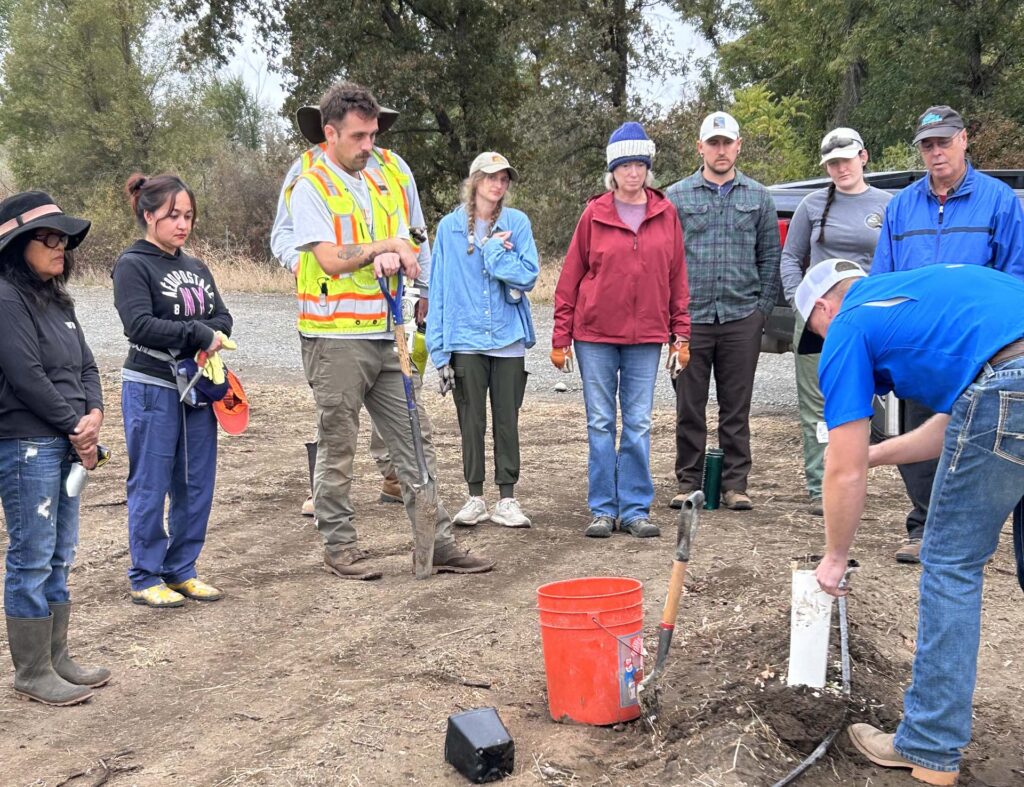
300 678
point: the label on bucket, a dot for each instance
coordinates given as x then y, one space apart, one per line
631 667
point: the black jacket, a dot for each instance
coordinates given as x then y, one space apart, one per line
168 303
48 378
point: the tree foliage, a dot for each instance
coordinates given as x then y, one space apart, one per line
875 65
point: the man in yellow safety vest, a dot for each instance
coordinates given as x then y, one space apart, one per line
350 219
283 245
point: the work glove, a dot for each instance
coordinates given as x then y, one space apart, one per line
211 363
446 378
418 356
678 358
561 357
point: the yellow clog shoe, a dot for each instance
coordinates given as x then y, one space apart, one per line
196 589
158 596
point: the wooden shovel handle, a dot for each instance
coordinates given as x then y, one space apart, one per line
675 589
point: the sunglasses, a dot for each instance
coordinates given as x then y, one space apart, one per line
52 239
839 142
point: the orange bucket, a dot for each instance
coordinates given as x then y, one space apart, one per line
592 633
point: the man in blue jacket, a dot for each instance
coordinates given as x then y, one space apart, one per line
951 336
955 215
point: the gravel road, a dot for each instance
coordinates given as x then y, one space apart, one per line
268 349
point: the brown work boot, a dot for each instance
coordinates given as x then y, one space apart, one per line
452 559
678 501
910 552
736 500
390 489
349 564
877 746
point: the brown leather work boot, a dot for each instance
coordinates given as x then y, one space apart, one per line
390 489
736 500
452 559
877 747
349 564
910 552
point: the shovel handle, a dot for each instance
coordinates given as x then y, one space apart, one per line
675 589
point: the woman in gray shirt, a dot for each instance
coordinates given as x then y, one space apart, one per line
842 220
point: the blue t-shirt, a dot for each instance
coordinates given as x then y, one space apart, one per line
924 334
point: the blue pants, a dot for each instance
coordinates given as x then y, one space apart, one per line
979 481
619 481
42 524
172 451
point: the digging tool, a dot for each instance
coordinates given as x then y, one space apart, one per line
686 529
200 362
425 518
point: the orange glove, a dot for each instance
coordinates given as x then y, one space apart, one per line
561 357
678 358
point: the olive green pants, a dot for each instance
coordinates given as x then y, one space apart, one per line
504 381
812 411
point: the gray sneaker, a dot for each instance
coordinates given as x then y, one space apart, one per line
472 513
641 528
601 527
508 513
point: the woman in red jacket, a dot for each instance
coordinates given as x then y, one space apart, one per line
621 295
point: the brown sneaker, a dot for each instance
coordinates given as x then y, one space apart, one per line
877 746
452 559
348 564
910 552
390 489
736 500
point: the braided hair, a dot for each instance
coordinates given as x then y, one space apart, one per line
469 187
824 214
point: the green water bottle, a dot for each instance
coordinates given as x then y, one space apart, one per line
712 484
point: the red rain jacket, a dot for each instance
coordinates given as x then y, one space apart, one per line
621 287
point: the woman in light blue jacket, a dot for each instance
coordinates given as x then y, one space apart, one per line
483 263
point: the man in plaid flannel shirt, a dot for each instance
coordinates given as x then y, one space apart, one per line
732 258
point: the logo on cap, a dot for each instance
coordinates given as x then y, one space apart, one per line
496 158
718 122
930 118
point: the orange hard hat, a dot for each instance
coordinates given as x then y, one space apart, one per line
233 410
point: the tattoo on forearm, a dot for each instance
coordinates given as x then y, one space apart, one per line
369 260
349 253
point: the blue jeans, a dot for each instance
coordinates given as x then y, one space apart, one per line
979 481
172 452
42 524
619 482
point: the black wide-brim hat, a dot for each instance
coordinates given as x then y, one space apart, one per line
312 126
33 210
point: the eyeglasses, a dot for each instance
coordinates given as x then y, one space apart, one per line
839 142
928 145
52 239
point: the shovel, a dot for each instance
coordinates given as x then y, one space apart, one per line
686 529
425 516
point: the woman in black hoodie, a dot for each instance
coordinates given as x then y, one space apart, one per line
171 309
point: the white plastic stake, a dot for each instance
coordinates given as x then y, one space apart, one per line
809 624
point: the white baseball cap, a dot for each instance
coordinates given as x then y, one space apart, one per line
491 162
840 143
719 124
818 281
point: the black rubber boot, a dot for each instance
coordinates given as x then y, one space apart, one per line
34 678
62 663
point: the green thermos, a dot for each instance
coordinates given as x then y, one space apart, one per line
712 485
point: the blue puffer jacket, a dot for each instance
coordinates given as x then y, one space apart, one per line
469 311
981 224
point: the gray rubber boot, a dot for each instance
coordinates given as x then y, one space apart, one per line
62 663
34 678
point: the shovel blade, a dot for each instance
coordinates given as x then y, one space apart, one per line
423 528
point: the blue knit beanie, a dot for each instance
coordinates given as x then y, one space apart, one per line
629 142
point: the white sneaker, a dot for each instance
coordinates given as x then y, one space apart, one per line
307 507
472 513
508 513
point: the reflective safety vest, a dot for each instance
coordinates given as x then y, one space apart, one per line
349 303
